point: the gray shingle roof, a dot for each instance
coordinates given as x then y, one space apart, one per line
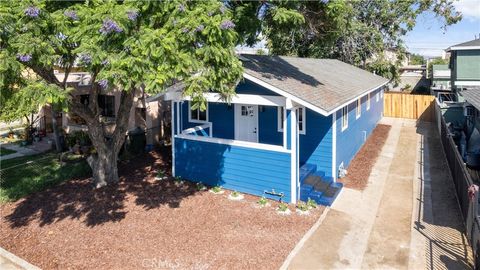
471 43
323 83
472 95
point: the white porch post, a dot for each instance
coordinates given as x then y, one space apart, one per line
293 130
173 126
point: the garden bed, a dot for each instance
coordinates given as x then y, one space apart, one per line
144 223
361 166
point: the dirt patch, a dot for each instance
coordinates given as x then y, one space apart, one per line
361 166
143 223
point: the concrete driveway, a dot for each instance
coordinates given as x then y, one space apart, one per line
407 217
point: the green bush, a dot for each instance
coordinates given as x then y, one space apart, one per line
282 207
78 136
263 201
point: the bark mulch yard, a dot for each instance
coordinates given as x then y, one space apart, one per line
361 166
143 223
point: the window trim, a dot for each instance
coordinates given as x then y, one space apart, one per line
344 123
368 101
198 111
358 111
280 122
304 120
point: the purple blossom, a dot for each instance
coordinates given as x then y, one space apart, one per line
227 24
199 28
105 62
24 57
32 12
132 15
71 14
109 26
210 13
103 84
185 30
86 59
181 8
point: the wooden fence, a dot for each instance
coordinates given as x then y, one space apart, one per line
402 105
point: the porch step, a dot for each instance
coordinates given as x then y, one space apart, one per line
306 170
320 188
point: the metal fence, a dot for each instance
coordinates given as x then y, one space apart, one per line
467 195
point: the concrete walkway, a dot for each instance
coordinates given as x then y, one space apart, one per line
36 148
9 261
374 228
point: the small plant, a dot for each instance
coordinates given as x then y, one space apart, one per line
302 207
235 194
263 201
201 186
311 203
160 175
282 207
178 179
217 189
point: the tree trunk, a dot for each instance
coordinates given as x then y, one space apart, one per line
108 146
56 135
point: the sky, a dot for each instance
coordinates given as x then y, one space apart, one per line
429 39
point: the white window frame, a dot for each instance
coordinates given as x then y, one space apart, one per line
358 109
368 101
198 113
345 118
377 97
280 122
381 93
302 131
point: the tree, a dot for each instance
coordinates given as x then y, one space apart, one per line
351 31
126 45
416 59
435 61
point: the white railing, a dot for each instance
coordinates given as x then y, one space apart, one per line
193 131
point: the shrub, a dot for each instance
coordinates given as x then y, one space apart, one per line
311 203
282 207
160 173
217 189
200 186
302 206
235 194
263 201
80 137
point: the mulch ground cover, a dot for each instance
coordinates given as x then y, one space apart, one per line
361 166
142 223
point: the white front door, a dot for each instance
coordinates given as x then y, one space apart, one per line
246 122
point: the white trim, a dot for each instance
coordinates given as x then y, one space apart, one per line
236 99
172 106
381 93
304 120
293 157
377 97
466 83
178 116
344 127
198 114
334 147
237 109
462 48
285 129
358 108
368 101
280 119
285 94
262 146
197 128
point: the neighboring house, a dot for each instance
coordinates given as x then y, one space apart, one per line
465 64
153 117
440 77
292 128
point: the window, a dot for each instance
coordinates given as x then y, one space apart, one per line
106 103
197 115
377 96
301 120
280 116
368 101
359 108
344 118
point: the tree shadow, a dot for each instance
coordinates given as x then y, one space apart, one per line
77 198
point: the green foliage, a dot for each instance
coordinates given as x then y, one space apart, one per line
216 189
385 69
262 201
416 59
302 206
178 179
200 186
282 207
80 137
435 61
4 151
311 203
235 194
26 175
160 173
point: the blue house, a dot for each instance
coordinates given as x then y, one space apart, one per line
290 131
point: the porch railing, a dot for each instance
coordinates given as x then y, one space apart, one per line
199 130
